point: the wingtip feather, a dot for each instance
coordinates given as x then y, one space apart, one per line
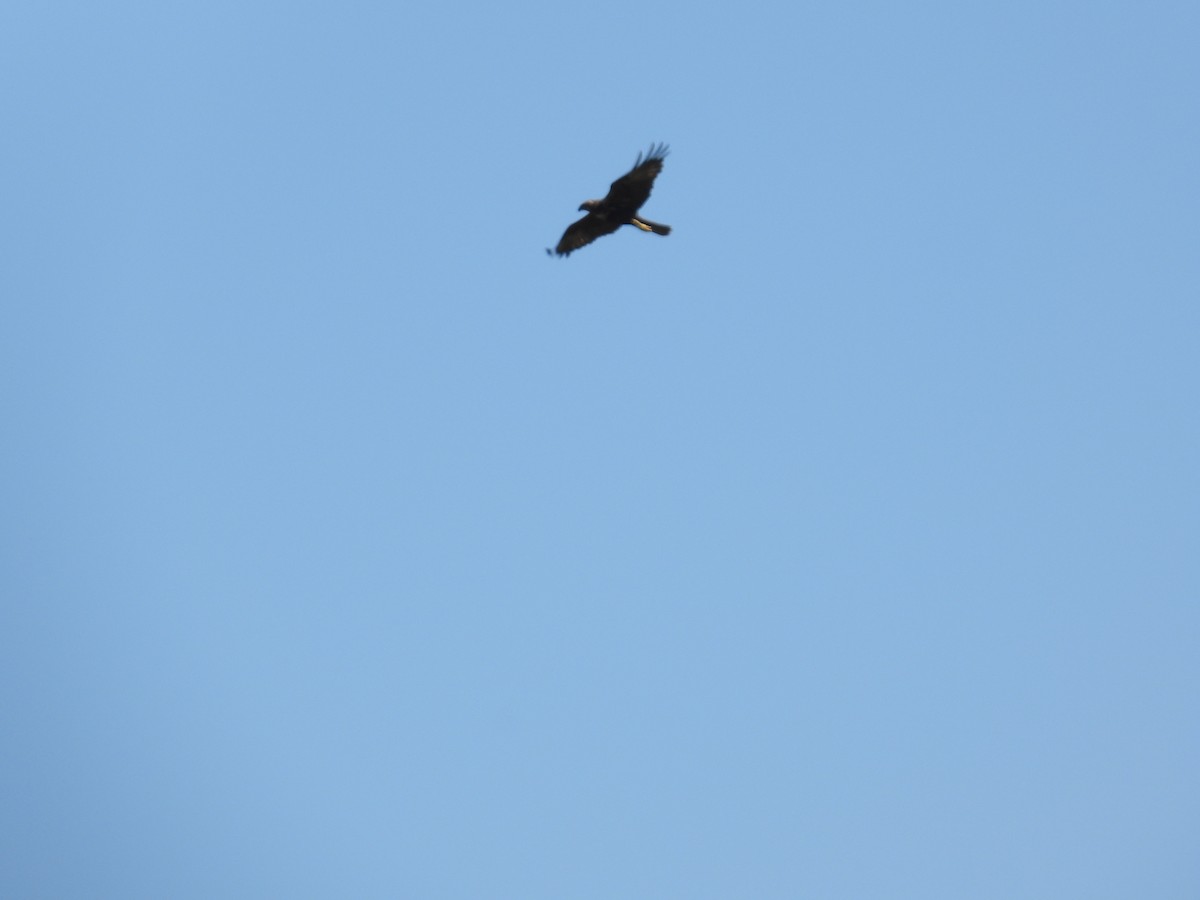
657 151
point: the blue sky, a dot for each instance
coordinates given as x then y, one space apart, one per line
842 544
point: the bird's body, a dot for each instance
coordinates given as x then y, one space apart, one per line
619 207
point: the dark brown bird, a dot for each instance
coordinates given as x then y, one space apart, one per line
625 198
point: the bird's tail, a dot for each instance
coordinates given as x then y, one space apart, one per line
647 225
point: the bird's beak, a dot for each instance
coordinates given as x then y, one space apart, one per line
582 207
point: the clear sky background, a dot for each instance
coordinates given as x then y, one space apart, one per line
843 544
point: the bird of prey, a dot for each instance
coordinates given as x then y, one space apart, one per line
625 198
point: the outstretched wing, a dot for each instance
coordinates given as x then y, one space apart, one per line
631 190
583 232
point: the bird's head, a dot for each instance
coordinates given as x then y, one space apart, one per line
588 205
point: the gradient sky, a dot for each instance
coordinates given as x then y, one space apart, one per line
843 544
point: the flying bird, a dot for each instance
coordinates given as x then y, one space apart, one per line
625 198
